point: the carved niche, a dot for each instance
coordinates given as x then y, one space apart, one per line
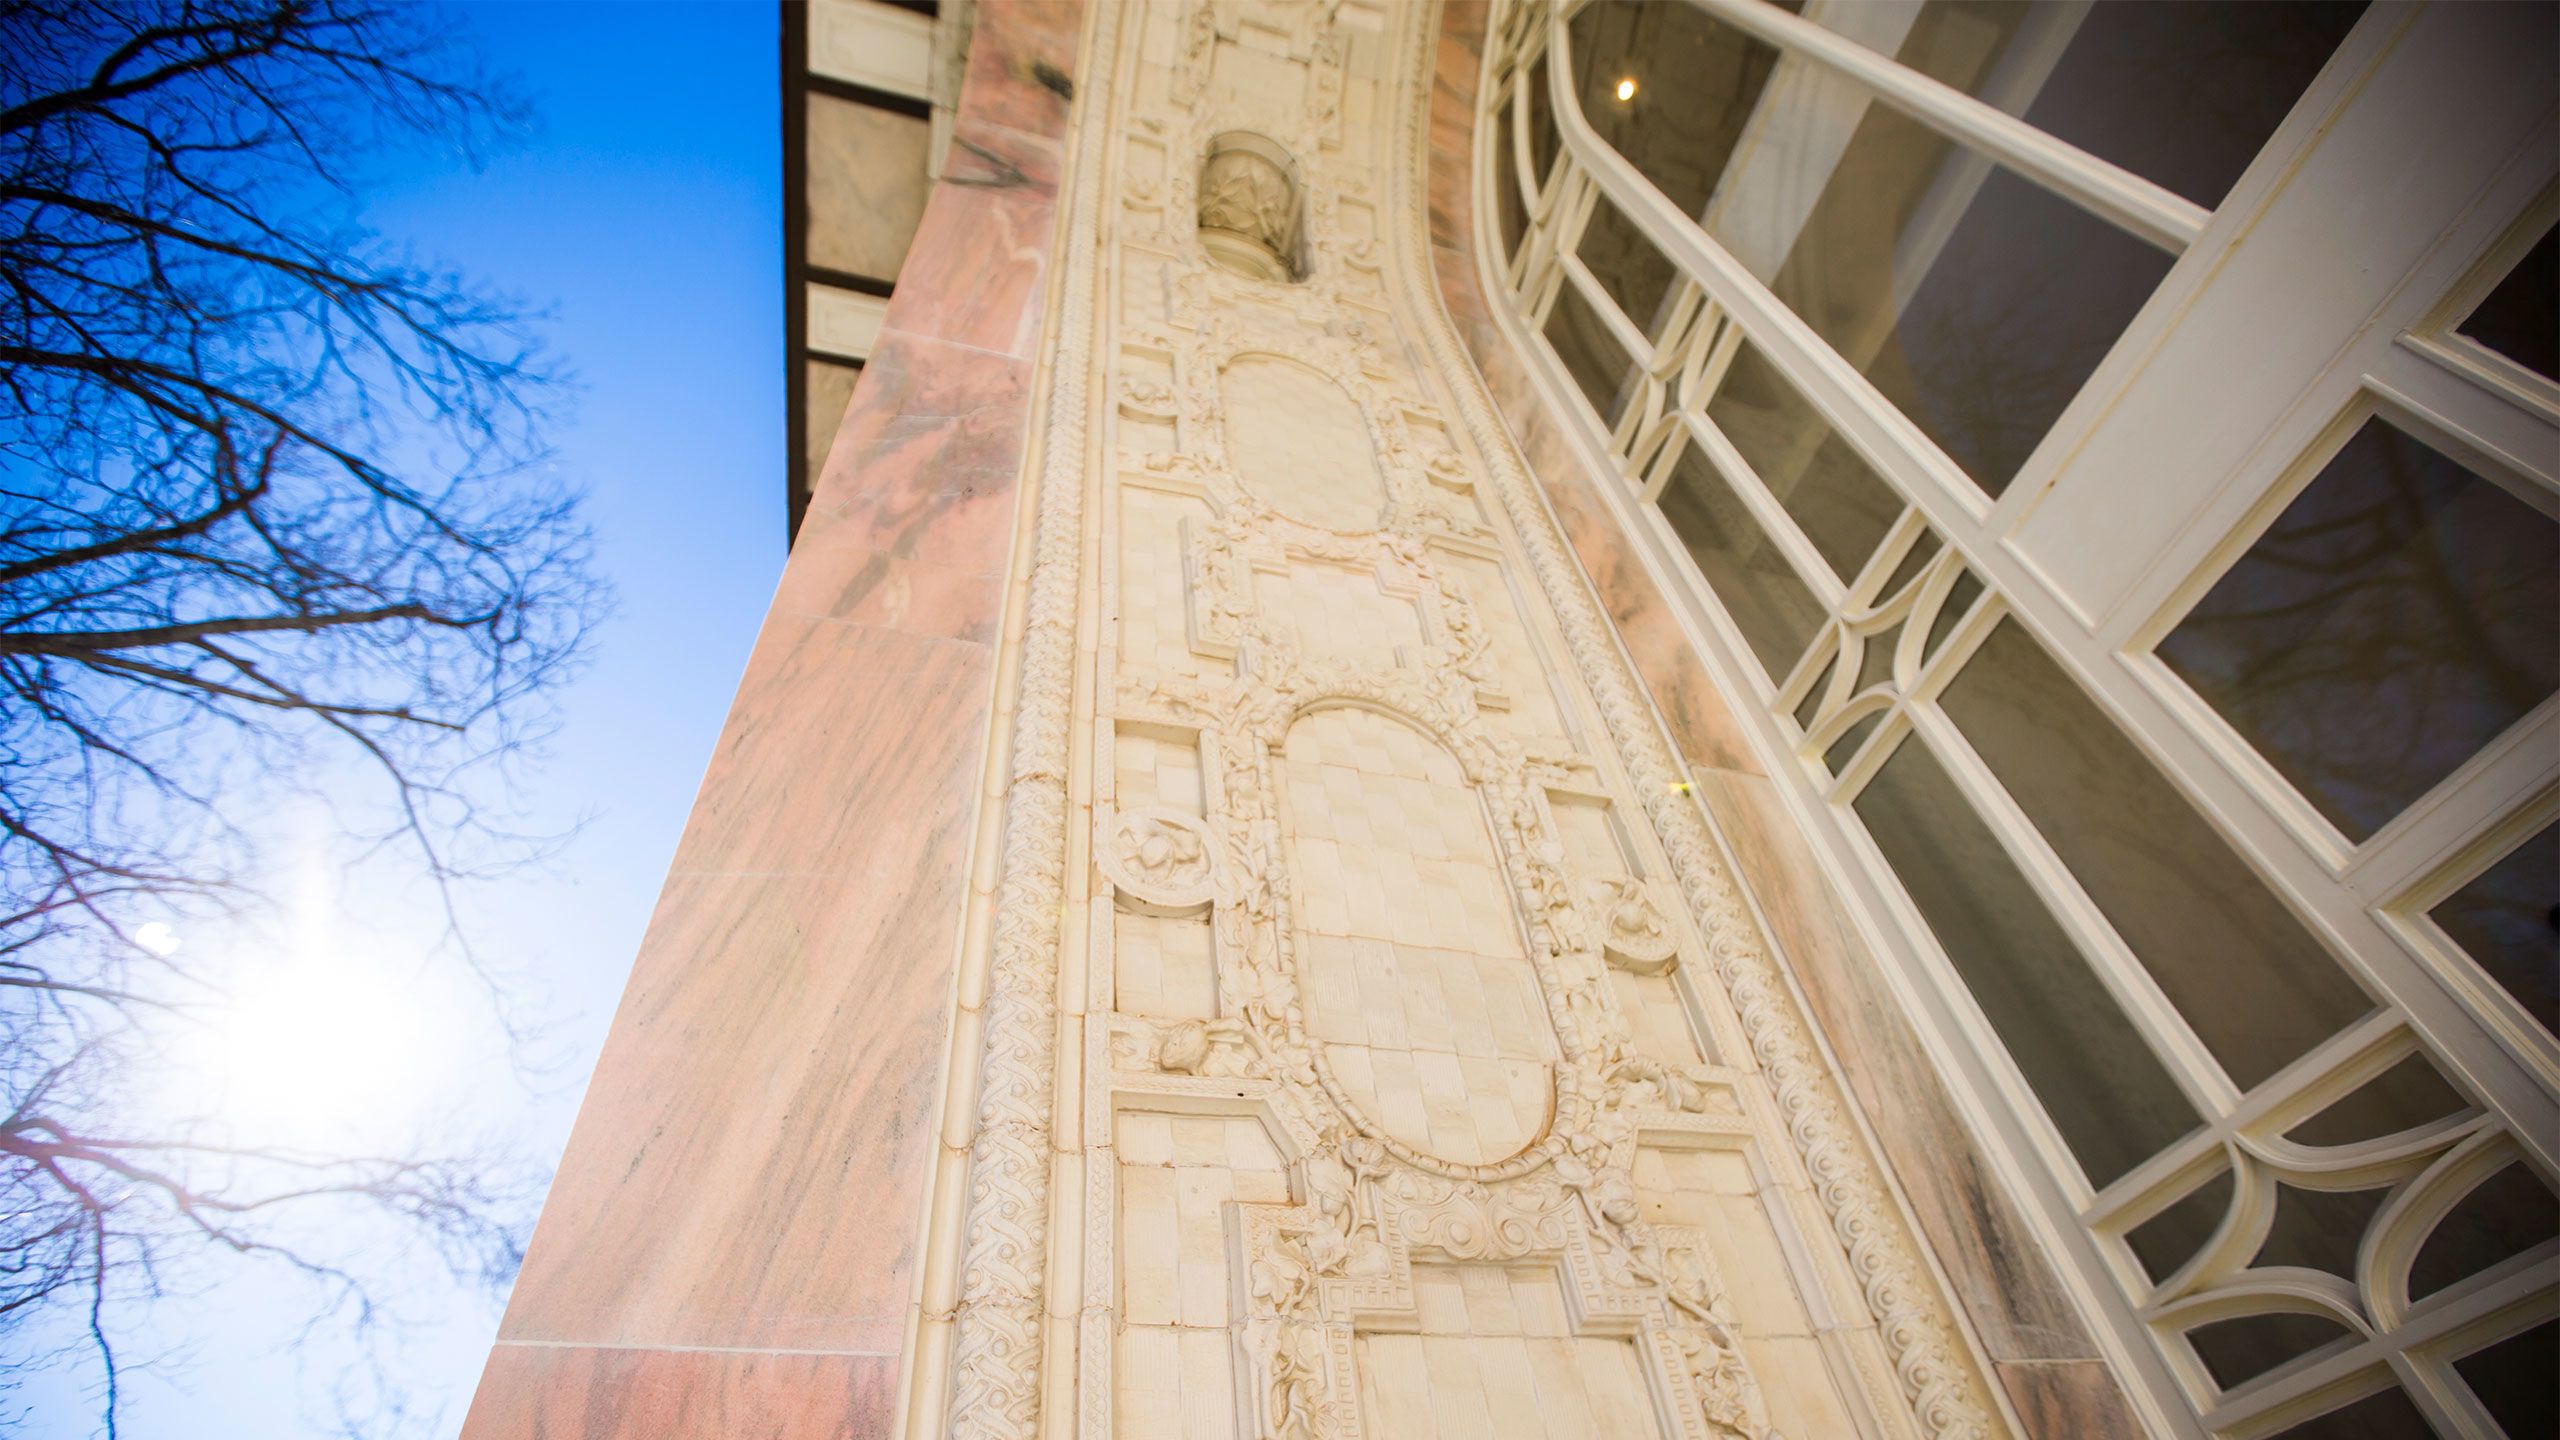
1250 208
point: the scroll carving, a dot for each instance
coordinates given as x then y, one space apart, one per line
1365 1204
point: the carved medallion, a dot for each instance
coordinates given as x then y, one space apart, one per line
1161 860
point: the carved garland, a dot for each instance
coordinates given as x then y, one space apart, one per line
1941 1387
998 1330
1372 1199
1296 1361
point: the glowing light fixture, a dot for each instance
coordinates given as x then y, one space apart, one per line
1626 91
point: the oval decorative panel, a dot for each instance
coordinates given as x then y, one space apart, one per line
1419 993
1298 441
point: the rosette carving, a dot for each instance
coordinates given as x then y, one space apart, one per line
1161 860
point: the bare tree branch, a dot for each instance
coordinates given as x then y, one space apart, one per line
270 510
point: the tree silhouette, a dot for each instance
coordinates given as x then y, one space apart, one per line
267 521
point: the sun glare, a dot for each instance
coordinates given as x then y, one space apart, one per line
313 1048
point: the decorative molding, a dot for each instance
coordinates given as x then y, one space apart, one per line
998 1336
1310 1274
1942 1386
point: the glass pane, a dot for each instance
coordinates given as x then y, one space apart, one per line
1697 80
1769 603
2183 94
2107 1093
1543 140
1590 351
2508 920
2400 614
2171 1238
2404 1097
1511 212
1628 266
2318 1229
2513 1380
2521 318
1959 600
1976 302
2237 1351
2386 1415
1842 506
2506 1215
2257 988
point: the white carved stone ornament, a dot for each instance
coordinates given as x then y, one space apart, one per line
1162 860
1312 1272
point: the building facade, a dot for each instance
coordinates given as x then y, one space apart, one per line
1705 720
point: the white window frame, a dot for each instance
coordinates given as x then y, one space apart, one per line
2098 570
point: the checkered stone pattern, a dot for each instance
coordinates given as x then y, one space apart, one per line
1298 441
1518 669
1495 1357
1652 1004
1590 842
1152 769
1152 608
1408 940
1164 966
1341 614
1719 1194
1178 1174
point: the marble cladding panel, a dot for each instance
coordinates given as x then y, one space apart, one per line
713 1259
2069 1400
2042 1352
619 1394
703 1195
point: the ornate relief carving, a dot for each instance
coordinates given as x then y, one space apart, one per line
1161 860
1308 1275
1943 1390
1636 936
1249 207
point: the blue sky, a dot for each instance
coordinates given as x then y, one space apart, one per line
645 214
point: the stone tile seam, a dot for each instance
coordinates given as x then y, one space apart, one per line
504 1344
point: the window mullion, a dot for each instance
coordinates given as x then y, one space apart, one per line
2110 192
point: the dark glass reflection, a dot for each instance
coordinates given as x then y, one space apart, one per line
2318 1229
2175 1235
1839 502
2513 1379
1511 210
1697 81
2521 318
2508 921
2108 1095
2236 1352
2384 1415
1599 365
2182 93
2257 988
1628 266
2404 1097
1750 576
2504 1216
1977 302
2399 615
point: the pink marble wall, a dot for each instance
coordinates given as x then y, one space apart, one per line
2042 1354
730 1246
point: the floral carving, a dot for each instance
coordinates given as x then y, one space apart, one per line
1161 859
1636 935
1369 1206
